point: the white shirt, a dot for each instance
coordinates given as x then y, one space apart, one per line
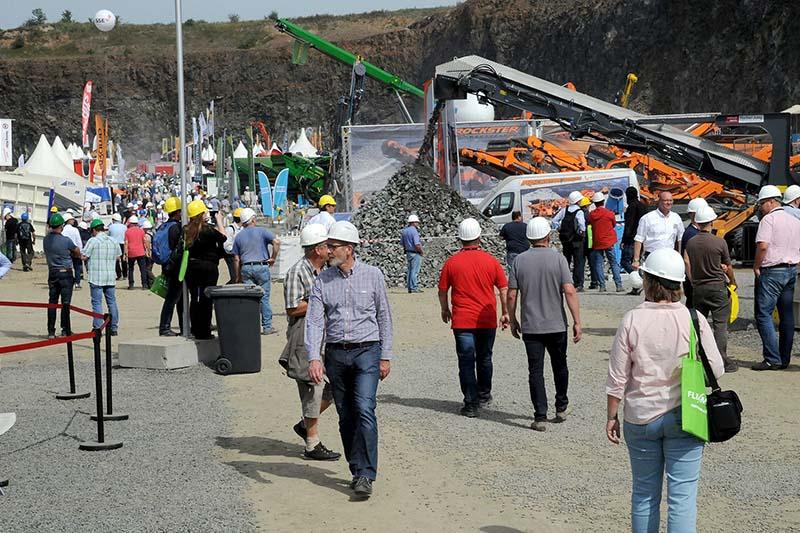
73 234
556 223
657 230
231 231
324 218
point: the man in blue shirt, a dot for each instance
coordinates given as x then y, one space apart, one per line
59 252
409 237
252 260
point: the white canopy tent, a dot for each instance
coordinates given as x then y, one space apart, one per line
303 146
44 166
61 152
240 152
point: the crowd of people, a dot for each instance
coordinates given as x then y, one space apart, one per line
339 334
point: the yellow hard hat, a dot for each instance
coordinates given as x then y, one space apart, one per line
326 200
196 207
54 209
237 212
172 204
584 202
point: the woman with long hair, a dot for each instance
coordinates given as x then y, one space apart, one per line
204 243
644 370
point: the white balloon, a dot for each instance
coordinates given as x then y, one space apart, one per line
105 20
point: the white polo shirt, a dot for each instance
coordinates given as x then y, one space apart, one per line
657 230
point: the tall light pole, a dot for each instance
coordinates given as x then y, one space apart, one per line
182 152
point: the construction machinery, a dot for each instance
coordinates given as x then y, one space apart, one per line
651 138
623 98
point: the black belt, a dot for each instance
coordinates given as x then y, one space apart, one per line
412 251
781 265
351 345
255 263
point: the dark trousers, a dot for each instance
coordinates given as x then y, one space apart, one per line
688 291
26 251
713 299
122 264
77 267
574 253
60 285
556 346
142 262
11 250
474 350
199 275
231 271
626 259
173 298
354 376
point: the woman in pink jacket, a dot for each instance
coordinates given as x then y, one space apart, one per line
644 371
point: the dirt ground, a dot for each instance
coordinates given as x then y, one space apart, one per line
439 471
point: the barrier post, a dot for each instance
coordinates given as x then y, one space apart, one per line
101 443
71 395
109 414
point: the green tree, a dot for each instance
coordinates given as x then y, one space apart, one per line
273 15
66 16
38 17
233 17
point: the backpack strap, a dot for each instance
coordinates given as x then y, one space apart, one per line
712 380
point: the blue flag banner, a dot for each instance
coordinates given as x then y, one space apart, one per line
281 186
266 195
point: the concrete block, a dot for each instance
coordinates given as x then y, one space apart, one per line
166 353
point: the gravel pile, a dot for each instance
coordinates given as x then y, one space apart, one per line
417 189
166 477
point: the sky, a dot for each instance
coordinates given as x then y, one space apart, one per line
149 11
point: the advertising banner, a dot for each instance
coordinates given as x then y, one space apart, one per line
102 148
475 183
6 159
377 152
86 105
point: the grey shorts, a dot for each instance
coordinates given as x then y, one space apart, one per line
311 397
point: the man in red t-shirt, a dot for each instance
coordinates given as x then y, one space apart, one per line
472 275
604 237
136 252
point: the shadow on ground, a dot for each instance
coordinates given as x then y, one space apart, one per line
452 408
600 332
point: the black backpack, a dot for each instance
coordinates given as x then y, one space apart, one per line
24 231
569 231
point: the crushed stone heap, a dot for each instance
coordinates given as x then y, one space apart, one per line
417 189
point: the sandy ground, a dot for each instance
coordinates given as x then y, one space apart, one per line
440 471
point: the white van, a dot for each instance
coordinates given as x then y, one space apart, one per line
545 194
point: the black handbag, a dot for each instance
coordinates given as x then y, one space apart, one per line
723 406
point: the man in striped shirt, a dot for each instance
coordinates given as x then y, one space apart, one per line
349 309
102 253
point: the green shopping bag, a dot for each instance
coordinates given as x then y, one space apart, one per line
693 392
184 264
159 287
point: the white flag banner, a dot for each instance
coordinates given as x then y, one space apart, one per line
21 161
6 160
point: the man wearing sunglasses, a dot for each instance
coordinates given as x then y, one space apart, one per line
349 309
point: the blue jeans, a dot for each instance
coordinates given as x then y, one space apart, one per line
510 256
77 266
259 275
354 376
775 288
412 273
98 292
11 250
474 350
626 260
655 448
596 260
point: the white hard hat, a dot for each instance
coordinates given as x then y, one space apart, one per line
344 231
695 204
469 229
68 216
791 193
598 197
147 224
70 211
313 234
83 225
705 213
538 228
636 279
412 218
767 192
133 219
575 197
149 205
6 211
246 215
116 217
665 263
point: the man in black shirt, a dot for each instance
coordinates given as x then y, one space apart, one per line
635 210
516 240
11 223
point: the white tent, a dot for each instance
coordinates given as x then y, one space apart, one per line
292 146
44 164
303 146
240 152
275 150
258 150
212 153
61 152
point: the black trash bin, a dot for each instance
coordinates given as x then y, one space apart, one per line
238 311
